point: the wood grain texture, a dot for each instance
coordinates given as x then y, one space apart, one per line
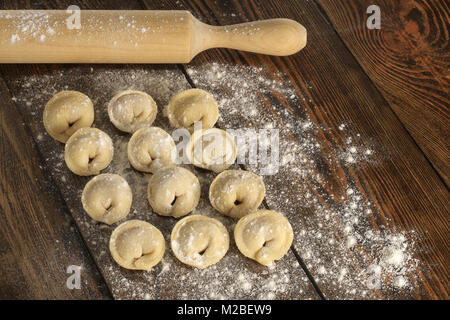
404 190
104 36
170 279
135 36
124 284
159 283
408 61
38 236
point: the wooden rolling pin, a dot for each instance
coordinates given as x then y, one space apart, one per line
106 36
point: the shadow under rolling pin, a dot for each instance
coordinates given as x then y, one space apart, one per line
107 36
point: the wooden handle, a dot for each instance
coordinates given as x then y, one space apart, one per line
278 37
106 36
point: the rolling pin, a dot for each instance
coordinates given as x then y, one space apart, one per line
138 36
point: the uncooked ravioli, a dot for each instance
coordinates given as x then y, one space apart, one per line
66 112
131 110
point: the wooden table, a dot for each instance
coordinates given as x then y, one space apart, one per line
385 91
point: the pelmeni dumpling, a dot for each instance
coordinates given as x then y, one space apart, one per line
137 245
150 149
131 110
88 151
199 241
66 112
173 191
236 193
212 149
107 198
192 105
264 236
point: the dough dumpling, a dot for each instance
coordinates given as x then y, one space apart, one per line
190 106
199 241
212 149
107 198
173 191
264 236
88 151
150 149
131 110
66 112
235 193
137 245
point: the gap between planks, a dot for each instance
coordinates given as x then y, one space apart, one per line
65 208
294 252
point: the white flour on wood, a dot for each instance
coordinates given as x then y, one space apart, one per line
170 278
339 235
335 235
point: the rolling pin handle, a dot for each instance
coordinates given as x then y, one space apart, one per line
279 37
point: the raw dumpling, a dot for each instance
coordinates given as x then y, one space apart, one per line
150 149
131 110
173 191
263 236
199 241
212 149
107 198
236 193
190 106
88 151
66 112
137 245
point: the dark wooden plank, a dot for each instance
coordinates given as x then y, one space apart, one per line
34 85
234 277
408 61
39 239
237 17
58 243
348 206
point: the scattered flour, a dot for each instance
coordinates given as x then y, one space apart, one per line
42 26
14 38
348 248
170 278
334 231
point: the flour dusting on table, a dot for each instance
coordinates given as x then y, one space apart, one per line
170 279
338 232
